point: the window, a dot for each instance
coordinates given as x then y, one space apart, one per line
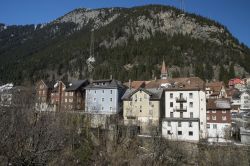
102 99
44 92
181 95
224 111
110 91
95 91
213 117
224 118
171 104
208 126
71 93
171 114
66 100
66 93
179 132
41 86
191 114
140 107
102 91
190 124
171 95
179 124
190 95
94 99
110 108
215 126
110 99
169 132
181 114
214 111
102 108
169 124
208 117
130 103
70 100
191 104
208 112
190 133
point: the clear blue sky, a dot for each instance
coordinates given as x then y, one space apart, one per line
235 14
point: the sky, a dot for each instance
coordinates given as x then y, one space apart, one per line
234 14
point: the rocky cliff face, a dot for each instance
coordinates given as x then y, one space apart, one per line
138 37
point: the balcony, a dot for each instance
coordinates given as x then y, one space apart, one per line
181 99
180 109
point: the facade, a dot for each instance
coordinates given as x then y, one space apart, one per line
43 93
218 118
245 101
143 108
104 97
57 96
185 115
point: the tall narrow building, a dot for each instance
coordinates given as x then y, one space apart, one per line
164 72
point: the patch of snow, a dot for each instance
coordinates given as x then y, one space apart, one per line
6 87
56 85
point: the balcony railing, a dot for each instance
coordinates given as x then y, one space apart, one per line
180 99
180 109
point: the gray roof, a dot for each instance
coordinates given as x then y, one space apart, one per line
76 85
155 94
105 84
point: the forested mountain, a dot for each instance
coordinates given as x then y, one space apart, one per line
129 43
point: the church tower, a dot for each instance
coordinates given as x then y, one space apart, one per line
164 72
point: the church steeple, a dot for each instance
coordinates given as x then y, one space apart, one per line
164 72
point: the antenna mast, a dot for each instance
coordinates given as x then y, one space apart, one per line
90 61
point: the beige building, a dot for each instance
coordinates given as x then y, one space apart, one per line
143 108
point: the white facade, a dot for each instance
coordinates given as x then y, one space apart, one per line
217 130
245 101
185 115
102 101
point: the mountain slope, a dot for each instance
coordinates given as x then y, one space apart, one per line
129 43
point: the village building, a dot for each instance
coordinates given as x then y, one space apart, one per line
245 101
104 97
237 83
43 93
218 119
73 97
215 90
185 110
143 108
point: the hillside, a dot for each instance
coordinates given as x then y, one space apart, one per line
129 43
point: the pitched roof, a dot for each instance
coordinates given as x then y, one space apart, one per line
74 85
135 84
105 84
218 104
177 83
155 94
215 86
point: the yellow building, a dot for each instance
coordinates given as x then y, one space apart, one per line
143 107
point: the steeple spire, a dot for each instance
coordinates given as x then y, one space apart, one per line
164 72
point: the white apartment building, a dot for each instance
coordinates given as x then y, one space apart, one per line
185 114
